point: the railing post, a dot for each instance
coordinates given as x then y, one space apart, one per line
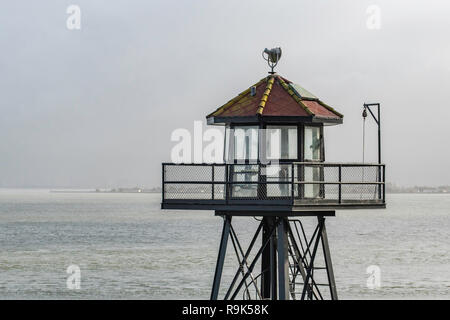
384 183
227 178
379 180
322 178
259 187
212 182
221 257
262 182
283 260
163 181
301 174
292 182
340 183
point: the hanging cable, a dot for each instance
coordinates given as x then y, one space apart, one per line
364 115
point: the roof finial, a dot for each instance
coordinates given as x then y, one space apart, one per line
272 58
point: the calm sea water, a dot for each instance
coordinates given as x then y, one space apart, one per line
127 248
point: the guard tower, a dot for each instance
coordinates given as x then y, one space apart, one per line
275 171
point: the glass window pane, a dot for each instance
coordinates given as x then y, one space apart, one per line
312 143
246 143
227 154
281 142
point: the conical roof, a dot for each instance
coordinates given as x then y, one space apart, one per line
275 99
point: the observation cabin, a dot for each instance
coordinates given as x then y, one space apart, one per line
274 169
274 159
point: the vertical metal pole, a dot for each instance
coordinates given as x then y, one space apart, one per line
262 179
227 183
379 151
163 184
212 182
379 135
328 264
340 185
301 172
273 260
283 263
221 257
292 182
265 261
384 184
259 187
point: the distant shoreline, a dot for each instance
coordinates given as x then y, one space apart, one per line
159 191
105 191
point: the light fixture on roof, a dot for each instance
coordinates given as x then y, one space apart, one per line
272 57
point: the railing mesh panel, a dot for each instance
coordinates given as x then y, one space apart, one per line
314 182
187 191
359 174
219 192
359 192
219 173
331 191
183 173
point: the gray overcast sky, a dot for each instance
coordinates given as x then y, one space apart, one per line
95 107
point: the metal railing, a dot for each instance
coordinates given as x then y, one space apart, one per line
298 183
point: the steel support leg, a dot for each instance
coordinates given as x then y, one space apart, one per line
221 257
283 262
328 264
265 263
278 277
273 261
268 260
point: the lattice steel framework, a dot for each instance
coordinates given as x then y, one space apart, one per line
286 258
